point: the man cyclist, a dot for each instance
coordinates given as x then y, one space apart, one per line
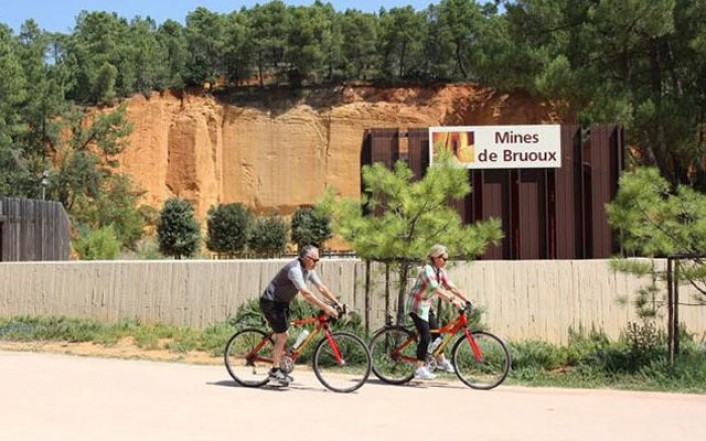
274 302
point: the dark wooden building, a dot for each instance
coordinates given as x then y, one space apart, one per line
552 213
33 230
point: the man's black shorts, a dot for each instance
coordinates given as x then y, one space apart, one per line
276 313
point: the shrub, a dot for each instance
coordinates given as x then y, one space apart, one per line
228 229
178 231
100 244
310 227
269 237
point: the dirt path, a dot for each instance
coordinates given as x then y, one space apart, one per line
123 349
59 397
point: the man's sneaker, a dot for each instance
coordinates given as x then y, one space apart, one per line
423 373
445 365
276 376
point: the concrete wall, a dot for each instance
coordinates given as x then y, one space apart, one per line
521 299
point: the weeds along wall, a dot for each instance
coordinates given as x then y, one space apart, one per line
520 299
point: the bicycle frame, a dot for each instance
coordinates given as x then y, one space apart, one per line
450 330
322 324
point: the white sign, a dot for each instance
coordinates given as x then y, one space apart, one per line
482 147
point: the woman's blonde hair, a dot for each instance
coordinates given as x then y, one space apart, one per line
437 250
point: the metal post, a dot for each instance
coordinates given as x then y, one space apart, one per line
44 182
675 331
367 298
670 312
388 315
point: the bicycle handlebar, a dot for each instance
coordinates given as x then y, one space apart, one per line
343 309
466 307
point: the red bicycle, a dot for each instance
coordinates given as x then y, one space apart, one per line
341 360
481 360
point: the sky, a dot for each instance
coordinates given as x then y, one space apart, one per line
60 15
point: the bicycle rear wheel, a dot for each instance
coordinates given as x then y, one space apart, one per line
343 364
394 352
485 368
248 357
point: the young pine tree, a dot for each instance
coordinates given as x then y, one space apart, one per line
178 231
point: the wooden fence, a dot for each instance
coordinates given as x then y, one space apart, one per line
32 230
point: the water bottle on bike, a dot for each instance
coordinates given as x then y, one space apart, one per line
300 339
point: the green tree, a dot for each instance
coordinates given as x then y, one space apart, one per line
635 63
88 156
268 24
229 228
117 205
85 180
653 219
304 52
148 56
100 244
178 232
437 61
238 52
173 41
205 34
400 43
359 45
310 227
331 41
103 92
268 237
412 217
507 53
16 177
460 21
45 103
98 44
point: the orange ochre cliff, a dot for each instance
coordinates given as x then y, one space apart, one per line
270 152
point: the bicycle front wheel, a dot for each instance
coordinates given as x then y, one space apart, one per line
483 363
342 362
248 357
394 352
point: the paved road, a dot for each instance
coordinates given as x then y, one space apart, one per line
59 397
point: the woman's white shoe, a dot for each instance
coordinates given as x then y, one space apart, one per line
424 374
446 366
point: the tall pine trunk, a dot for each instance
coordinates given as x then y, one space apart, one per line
402 292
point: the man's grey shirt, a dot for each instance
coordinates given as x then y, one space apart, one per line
289 281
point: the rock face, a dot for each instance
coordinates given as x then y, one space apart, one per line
278 153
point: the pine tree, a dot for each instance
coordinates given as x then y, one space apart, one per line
412 216
178 232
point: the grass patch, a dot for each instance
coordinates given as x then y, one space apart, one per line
637 361
146 336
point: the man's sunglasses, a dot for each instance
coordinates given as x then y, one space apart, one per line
312 259
443 258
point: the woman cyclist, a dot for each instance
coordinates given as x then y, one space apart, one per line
432 281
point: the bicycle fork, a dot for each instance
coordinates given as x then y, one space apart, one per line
474 345
335 349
